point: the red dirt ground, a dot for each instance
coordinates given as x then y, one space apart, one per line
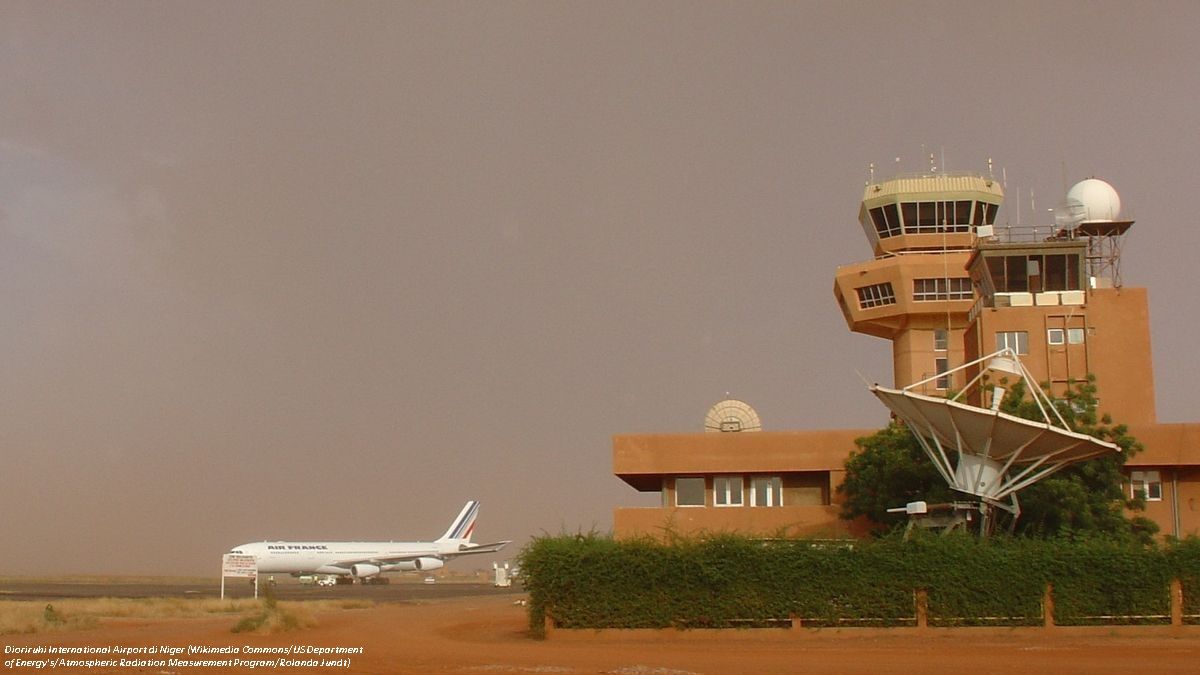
487 635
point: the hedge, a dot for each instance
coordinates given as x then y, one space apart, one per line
592 581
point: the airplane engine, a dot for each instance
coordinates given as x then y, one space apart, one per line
363 570
420 564
428 564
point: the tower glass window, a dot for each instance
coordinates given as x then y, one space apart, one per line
954 288
941 339
1018 341
886 221
876 295
1034 273
942 364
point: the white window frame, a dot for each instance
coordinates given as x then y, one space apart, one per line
876 295
728 491
702 492
1018 340
941 365
774 492
942 288
1148 483
941 340
1075 336
1056 336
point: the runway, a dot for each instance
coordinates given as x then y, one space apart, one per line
286 589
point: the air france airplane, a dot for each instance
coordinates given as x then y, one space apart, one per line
366 559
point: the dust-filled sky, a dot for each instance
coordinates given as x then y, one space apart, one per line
297 270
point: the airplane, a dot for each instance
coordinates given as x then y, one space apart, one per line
367 560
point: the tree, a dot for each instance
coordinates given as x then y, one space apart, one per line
890 469
1084 498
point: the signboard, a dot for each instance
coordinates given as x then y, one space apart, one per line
238 565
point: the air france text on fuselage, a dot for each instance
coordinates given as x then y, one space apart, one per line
297 547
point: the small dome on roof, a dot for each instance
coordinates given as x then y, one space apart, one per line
1098 199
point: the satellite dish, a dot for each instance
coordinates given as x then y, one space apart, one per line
983 452
732 415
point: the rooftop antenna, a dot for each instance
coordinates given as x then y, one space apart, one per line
732 415
871 168
990 175
932 166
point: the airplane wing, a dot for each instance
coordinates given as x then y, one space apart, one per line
469 549
465 549
385 559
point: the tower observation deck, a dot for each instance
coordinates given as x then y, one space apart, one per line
915 291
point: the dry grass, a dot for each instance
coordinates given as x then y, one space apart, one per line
108 579
22 616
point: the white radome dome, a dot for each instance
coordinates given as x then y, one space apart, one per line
1099 200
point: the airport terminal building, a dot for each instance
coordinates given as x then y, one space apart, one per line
945 285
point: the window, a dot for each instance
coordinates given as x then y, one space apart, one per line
1056 336
876 296
1146 484
935 217
727 491
941 339
1018 341
955 288
1075 336
985 213
766 491
1034 273
689 492
886 220
942 364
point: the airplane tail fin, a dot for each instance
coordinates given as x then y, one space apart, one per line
464 525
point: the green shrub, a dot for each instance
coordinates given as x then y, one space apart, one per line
592 581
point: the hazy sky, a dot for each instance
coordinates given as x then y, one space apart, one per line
329 269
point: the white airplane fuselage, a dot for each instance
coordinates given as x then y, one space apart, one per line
331 557
363 559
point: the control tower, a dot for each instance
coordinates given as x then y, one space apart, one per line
947 285
915 291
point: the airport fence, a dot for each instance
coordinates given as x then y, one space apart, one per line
592 581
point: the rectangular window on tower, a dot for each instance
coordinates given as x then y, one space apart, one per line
941 339
1018 341
877 295
942 364
1146 484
